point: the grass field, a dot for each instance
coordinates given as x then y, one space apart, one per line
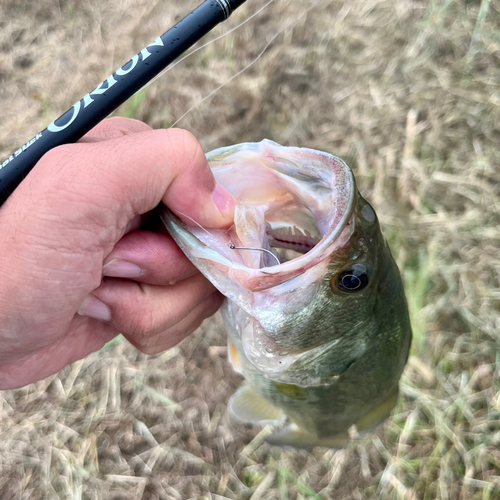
408 93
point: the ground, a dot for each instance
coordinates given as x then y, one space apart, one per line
408 93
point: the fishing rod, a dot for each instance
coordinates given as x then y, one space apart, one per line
115 90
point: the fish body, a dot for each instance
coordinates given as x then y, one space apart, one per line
322 338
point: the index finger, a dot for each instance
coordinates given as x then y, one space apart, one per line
114 128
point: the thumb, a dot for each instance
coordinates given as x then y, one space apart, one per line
194 192
115 180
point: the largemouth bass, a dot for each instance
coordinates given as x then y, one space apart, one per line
321 336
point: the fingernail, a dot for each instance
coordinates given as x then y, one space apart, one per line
117 268
223 199
94 308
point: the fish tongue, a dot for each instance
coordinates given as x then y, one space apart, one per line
250 226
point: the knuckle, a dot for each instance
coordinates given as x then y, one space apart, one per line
184 268
54 177
113 128
149 350
142 326
56 158
60 169
118 126
146 322
183 147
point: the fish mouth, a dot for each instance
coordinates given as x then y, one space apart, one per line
295 208
294 203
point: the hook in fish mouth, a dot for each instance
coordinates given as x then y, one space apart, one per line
287 238
233 247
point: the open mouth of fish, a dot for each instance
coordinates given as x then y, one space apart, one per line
294 212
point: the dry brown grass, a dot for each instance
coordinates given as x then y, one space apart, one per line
408 92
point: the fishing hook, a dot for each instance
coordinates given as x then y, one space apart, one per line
233 247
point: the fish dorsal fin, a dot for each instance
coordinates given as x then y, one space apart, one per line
293 436
248 406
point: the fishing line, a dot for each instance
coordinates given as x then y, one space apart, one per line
192 220
86 113
230 245
250 64
166 70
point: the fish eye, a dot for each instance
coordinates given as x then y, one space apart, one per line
352 280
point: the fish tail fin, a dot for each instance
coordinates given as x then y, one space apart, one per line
293 436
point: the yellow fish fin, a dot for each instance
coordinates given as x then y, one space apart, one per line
234 357
248 406
378 414
295 437
291 391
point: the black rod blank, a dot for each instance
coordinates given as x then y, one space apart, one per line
114 91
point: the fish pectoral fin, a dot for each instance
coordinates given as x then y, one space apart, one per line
234 357
248 406
377 415
295 437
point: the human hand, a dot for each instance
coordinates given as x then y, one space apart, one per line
76 218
